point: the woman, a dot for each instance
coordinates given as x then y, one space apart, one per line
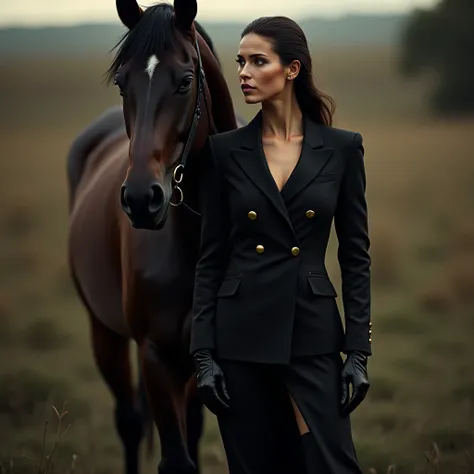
267 336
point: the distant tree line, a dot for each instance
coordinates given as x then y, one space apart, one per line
441 40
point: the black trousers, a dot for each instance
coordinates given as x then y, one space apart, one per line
260 435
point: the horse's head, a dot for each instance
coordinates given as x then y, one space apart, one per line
159 74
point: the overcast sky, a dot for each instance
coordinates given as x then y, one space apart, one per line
38 12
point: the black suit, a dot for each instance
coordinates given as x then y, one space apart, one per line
268 306
262 292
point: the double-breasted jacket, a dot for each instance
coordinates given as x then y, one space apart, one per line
262 292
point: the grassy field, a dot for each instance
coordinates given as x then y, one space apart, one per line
419 416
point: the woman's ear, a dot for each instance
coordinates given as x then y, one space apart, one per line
293 69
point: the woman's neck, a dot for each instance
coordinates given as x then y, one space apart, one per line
282 119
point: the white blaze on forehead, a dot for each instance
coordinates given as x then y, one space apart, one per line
153 61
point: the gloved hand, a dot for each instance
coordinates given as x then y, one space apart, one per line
210 382
354 372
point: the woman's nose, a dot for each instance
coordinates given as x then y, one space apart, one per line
244 74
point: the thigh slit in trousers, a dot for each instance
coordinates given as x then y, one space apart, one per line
261 435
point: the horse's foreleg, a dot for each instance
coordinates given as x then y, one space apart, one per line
111 352
166 387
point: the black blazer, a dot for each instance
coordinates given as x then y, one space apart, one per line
262 292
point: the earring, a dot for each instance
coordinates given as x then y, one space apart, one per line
289 78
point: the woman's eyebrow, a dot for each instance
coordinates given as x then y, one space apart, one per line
253 55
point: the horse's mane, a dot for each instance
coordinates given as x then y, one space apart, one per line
155 33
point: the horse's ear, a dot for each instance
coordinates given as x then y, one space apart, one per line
185 12
129 12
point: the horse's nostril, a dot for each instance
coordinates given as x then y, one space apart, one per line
157 198
123 199
141 203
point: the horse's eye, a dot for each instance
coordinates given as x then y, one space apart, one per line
185 84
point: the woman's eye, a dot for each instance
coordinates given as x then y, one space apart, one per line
185 84
259 62
240 62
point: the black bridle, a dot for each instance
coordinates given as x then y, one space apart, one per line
178 173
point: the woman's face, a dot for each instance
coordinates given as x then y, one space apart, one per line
261 74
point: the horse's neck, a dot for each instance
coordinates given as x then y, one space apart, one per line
223 113
184 229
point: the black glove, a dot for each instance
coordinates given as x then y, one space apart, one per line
210 382
355 372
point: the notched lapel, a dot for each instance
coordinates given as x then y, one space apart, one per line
309 166
252 164
314 157
251 160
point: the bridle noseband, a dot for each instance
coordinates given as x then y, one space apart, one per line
178 172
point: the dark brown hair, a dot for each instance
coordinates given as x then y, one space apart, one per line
289 42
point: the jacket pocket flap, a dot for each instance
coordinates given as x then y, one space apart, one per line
229 287
321 285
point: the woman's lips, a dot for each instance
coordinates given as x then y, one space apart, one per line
247 88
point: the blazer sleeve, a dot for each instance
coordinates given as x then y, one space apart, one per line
351 225
213 252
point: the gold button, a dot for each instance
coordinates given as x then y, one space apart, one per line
252 215
260 248
295 251
309 213
370 339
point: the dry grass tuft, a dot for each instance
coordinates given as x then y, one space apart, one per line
24 393
45 461
450 439
432 457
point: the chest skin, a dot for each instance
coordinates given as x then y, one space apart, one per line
282 157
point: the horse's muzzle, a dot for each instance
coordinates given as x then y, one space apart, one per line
145 208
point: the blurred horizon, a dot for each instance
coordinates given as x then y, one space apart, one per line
30 13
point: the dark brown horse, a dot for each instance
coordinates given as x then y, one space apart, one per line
134 270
